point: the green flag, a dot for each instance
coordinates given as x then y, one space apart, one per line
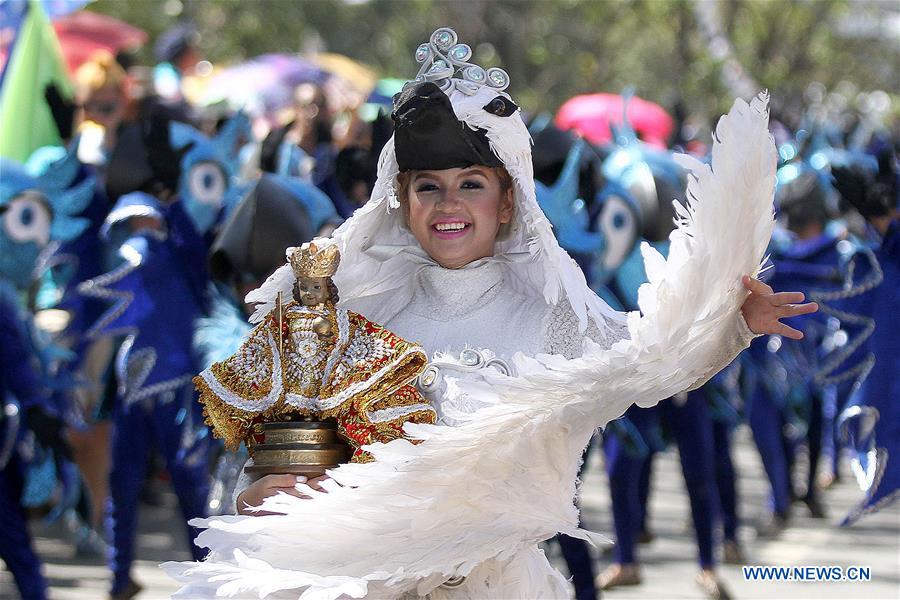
26 122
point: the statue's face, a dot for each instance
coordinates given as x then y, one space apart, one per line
456 214
313 290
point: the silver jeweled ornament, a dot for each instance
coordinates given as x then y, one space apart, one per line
446 64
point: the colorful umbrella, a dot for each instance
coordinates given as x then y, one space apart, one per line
592 114
83 33
384 91
358 75
381 98
263 84
13 12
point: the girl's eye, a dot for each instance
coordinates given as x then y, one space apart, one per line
426 187
472 185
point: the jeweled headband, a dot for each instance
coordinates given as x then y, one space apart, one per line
442 58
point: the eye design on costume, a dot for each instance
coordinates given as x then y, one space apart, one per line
206 183
27 219
619 226
501 107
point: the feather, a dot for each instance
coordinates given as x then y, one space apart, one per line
219 335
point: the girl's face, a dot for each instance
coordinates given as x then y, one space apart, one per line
456 214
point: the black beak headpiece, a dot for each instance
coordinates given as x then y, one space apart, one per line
428 136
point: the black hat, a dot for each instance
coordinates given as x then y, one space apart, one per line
427 134
128 169
874 193
551 147
803 200
252 243
144 159
174 41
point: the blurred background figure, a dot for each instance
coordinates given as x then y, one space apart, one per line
35 468
178 54
869 423
160 231
101 93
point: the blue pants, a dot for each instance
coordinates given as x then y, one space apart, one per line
578 558
726 480
175 427
833 402
814 434
623 470
691 426
644 491
767 425
15 541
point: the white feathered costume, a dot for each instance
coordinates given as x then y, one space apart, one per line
474 500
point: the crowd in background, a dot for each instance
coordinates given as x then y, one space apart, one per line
127 250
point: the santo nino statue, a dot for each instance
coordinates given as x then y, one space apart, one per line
312 360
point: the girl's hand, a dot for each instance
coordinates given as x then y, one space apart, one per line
315 481
763 308
269 485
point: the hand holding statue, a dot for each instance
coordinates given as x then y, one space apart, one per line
270 485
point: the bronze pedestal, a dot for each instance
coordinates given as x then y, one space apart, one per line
298 448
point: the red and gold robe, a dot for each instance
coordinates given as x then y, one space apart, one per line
361 376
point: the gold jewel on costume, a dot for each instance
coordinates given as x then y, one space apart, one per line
313 378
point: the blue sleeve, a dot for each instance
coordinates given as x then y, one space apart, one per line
17 360
890 244
135 249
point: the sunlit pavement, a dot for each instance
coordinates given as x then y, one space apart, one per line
668 562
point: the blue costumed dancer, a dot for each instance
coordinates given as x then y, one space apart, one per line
643 183
157 293
793 384
34 212
872 422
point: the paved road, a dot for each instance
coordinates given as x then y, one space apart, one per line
669 566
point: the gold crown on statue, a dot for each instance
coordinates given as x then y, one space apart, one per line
309 261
